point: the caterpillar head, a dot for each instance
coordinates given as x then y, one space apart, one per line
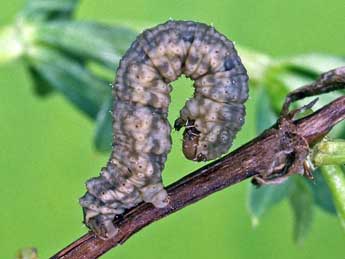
191 136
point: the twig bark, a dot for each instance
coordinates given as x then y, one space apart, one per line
249 160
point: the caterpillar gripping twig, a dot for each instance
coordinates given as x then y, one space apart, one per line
142 140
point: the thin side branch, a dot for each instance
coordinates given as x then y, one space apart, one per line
245 162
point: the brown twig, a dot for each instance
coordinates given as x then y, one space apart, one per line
249 160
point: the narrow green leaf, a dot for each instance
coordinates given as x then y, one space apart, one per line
301 200
49 9
293 72
338 131
264 198
280 81
70 78
265 116
102 43
294 79
100 71
322 194
315 63
41 86
276 88
104 130
335 179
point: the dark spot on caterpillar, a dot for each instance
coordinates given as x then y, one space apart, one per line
141 129
228 63
188 37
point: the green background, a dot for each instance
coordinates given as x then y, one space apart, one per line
46 151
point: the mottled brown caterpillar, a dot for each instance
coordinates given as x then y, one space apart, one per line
141 130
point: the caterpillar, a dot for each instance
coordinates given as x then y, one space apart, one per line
141 131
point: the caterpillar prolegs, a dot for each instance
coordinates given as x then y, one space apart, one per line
141 131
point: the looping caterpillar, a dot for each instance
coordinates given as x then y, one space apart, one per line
141 142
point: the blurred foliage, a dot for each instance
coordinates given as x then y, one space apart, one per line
77 59
301 200
335 178
278 81
27 253
329 152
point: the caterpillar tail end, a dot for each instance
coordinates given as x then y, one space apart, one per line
101 225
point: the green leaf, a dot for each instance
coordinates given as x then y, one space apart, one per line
102 43
294 79
69 77
276 88
41 86
49 9
265 116
293 72
322 194
335 179
104 130
338 131
301 200
315 63
264 198
280 81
